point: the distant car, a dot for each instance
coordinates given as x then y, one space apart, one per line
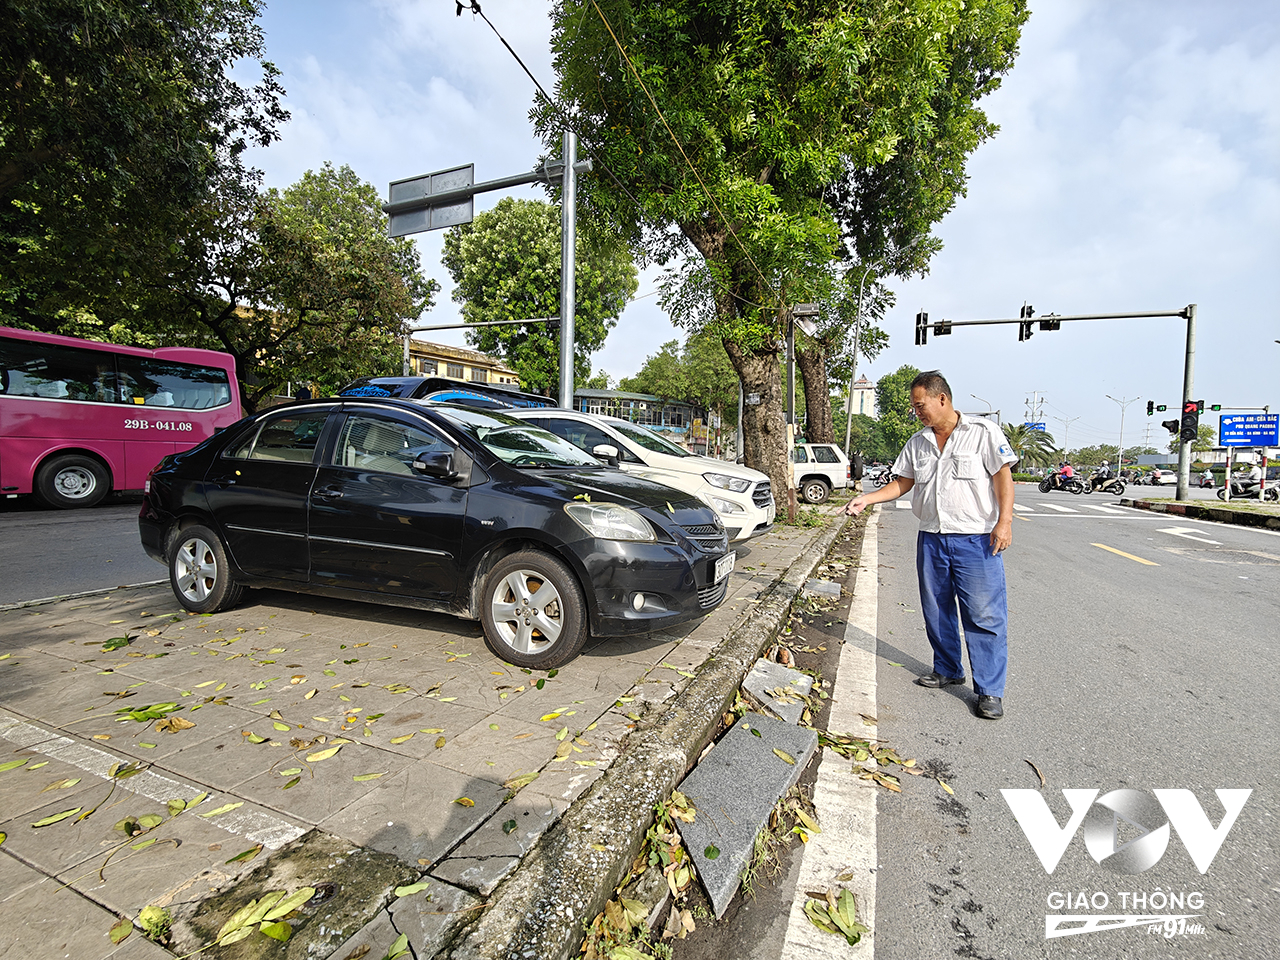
819 468
439 507
741 496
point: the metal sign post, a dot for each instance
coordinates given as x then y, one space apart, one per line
445 199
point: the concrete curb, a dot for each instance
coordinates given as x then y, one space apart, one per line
1195 511
102 591
539 911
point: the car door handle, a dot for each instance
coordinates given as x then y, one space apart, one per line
329 493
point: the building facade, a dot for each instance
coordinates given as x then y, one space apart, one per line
457 363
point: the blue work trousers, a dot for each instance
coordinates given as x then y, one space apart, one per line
959 570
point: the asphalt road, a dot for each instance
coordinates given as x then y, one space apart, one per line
45 553
1139 648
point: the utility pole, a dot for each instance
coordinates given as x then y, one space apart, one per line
1035 407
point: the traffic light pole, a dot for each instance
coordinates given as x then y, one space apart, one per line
1184 448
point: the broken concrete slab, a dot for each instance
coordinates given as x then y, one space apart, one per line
352 886
826 589
779 689
734 788
495 849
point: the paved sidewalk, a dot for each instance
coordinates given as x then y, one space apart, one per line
438 744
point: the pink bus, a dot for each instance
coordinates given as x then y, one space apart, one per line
79 418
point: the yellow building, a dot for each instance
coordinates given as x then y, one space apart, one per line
457 363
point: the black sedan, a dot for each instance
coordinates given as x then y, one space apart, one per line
438 507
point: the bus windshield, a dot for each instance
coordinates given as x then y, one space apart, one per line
80 418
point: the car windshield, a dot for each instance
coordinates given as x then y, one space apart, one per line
649 440
514 441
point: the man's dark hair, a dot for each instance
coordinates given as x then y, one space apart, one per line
934 383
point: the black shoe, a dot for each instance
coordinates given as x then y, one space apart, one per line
989 708
935 680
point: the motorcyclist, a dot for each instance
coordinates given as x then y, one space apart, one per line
1100 477
1252 480
1065 473
1206 478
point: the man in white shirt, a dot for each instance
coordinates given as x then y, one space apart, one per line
959 470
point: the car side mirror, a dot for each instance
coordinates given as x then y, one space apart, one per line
438 466
607 452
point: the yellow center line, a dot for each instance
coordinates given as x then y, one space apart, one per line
1021 517
1130 556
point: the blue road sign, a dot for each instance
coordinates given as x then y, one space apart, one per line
1034 426
1249 430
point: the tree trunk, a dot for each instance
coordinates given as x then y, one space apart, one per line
764 428
819 427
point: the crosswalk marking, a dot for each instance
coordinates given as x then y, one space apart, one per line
902 504
1189 533
1054 506
1022 508
1094 506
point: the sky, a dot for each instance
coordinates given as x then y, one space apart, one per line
1136 169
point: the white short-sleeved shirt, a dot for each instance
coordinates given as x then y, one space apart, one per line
953 492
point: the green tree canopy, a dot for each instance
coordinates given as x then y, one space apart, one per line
663 374
114 120
1033 448
721 126
506 264
301 285
893 399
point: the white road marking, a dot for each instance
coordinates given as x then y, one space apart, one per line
257 826
1022 508
1188 532
902 504
1101 509
1054 506
846 805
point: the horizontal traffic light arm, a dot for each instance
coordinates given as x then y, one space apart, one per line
1077 316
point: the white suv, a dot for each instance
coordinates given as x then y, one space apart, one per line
817 469
741 496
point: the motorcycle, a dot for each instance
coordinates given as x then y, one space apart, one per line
885 476
1205 482
1244 490
1114 486
1066 484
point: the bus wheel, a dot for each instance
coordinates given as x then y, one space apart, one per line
199 572
71 481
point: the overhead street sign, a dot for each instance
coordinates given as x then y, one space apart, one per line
432 217
1035 426
1249 430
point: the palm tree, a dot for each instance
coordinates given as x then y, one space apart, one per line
1034 448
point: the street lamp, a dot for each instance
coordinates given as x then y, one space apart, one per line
857 332
1120 453
987 402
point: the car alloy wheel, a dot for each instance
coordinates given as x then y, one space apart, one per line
533 611
200 573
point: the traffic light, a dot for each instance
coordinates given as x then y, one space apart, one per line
1050 323
1215 406
1151 407
1161 408
1190 421
1024 322
1170 425
942 328
922 328
1199 407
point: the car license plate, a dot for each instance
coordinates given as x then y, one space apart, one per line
724 567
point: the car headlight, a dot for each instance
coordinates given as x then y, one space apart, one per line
726 482
609 521
725 506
